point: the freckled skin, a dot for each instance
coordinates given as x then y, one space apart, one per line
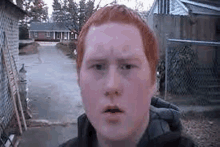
114 60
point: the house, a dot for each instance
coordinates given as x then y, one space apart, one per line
10 14
184 8
51 32
189 20
184 19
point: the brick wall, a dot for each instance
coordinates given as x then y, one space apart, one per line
8 24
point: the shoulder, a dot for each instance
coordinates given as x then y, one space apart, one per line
70 143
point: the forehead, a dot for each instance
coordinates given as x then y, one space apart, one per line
113 37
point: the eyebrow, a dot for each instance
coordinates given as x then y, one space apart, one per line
121 59
128 59
95 60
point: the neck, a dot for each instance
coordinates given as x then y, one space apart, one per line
109 143
131 141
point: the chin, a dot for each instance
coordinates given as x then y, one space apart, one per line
114 133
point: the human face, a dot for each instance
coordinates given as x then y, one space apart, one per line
115 75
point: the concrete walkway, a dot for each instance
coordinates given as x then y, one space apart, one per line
54 96
47 136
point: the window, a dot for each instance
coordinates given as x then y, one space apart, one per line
48 34
65 35
167 6
58 35
72 35
163 6
35 34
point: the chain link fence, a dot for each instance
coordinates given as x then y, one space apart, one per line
190 68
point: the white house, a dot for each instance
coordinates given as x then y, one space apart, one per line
183 7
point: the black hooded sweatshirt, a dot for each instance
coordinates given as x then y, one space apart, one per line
164 129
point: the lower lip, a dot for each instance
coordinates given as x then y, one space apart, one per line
113 117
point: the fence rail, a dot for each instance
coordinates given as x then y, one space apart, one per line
208 43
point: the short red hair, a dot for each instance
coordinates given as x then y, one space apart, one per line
121 14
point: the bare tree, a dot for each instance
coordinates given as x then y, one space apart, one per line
138 5
73 15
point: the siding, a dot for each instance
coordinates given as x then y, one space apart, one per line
176 8
9 24
156 8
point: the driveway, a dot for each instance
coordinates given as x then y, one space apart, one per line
54 97
52 81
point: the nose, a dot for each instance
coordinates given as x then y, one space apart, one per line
112 85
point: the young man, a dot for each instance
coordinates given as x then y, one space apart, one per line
116 65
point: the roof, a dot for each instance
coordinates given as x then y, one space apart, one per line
14 9
38 26
202 7
215 3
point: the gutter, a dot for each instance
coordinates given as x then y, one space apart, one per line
201 5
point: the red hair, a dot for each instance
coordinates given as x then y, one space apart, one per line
121 14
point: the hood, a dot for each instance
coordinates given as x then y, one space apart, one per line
164 118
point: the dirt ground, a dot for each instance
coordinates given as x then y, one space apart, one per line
203 127
29 49
204 131
65 49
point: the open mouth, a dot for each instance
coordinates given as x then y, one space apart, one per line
114 109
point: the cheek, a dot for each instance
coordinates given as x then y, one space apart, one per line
89 91
85 88
141 92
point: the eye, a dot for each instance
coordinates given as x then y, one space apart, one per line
99 66
127 66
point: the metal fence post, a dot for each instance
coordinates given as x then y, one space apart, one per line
166 68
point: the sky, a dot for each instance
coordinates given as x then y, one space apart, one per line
131 3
